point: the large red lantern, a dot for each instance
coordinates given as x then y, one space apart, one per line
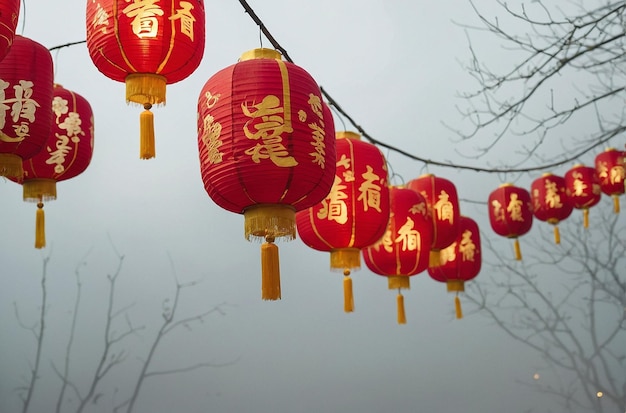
510 213
550 201
443 207
66 154
611 171
460 262
404 249
355 213
267 148
147 45
9 13
583 189
26 93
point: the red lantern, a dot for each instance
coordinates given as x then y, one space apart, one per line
267 148
355 213
404 249
26 91
443 207
66 154
9 13
147 45
550 201
583 189
611 172
510 213
460 262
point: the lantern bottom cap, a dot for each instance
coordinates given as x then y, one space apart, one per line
345 259
11 166
269 222
39 189
455 285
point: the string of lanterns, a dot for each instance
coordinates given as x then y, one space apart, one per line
268 150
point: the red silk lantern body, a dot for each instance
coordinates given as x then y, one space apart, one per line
510 213
583 189
611 171
550 201
66 153
266 144
355 213
461 261
443 207
404 249
147 45
9 13
26 93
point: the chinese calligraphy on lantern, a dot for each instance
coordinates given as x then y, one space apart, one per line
514 208
467 248
444 208
408 236
317 131
267 124
212 132
100 18
614 175
72 125
186 18
144 15
334 207
370 191
552 197
22 107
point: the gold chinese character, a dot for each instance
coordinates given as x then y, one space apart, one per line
444 208
552 197
467 248
370 192
211 138
144 14
514 208
334 207
409 237
186 18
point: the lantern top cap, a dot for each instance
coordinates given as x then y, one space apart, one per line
426 175
543 175
504 185
261 53
347 134
609 149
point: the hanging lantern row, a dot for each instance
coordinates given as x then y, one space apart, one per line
553 198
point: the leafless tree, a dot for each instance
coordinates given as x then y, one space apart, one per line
550 79
117 328
567 302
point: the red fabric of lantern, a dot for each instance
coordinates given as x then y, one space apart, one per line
583 189
147 45
404 249
443 207
611 173
267 148
66 154
26 90
9 13
461 261
355 213
550 201
510 213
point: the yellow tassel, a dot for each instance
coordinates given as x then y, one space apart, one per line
434 259
11 166
518 250
616 204
457 307
401 314
270 271
557 235
146 133
348 298
40 227
586 218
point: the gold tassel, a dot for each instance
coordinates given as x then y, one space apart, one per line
434 259
40 227
557 235
586 217
348 298
146 133
11 166
518 250
457 307
397 282
616 204
400 304
270 271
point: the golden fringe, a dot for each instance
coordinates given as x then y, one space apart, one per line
11 166
145 88
39 189
40 227
345 258
348 297
270 272
455 286
146 134
270 220
400 305
396 282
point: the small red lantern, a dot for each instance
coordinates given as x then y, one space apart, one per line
26 92
404 249
9 13
550 201
66 154
147 45
510 213
611 171
461 261
355 213
443 207
583 189
267 148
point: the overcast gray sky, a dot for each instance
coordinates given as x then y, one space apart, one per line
394 67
